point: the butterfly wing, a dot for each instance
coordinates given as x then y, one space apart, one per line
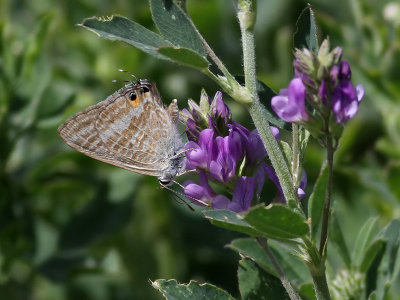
112 131
138 128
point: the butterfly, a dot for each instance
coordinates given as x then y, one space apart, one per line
131 129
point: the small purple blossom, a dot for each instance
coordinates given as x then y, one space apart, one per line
289 105
219 109
225 153
345 97
322 87
199 194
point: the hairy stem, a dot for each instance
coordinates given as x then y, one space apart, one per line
246 16
285 282
325 218
295 155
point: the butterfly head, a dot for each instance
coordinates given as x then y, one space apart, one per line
136 92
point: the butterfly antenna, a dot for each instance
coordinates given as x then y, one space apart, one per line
125 81
178 195
130 73
187 172
182 152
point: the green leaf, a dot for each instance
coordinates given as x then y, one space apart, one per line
306 33
277 221
255 283
317 200
230 220
377 247
175 25
363 239
373 296
381 272
295 270
172 290
371 267
336 236
184 56
307 291
122 29
287 151
391 234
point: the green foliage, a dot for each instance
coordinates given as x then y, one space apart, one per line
176 26
172 290
184 56
122 29
316 201
294 269
254 283
72 228
277 222
306 34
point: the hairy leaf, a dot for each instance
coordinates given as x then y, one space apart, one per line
277 222
172 290
184 56
230 220
255 283
122 29
175 25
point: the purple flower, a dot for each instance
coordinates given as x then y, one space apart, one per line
279 196
224 153
223 168
322 83
243 195
192 130
345 100
199 194
255 151
289 105
303 183
345 97
219 109
199 155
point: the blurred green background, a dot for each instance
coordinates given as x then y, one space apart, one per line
75 228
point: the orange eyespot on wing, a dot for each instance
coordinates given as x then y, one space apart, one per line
137 96
134 97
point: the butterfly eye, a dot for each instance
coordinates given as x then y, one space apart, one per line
145 89
132 96
164 181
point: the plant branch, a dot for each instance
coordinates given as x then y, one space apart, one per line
246 16
325 218
295 155
285 282
316 264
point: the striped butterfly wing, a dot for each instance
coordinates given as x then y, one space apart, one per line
129 129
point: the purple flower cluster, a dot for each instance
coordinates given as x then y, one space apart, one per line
345 98
322 85
225 154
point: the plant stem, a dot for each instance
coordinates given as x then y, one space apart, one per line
295 155
316 264
321 286
256 109
325 218
285 282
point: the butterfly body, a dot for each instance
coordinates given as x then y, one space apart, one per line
131 129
